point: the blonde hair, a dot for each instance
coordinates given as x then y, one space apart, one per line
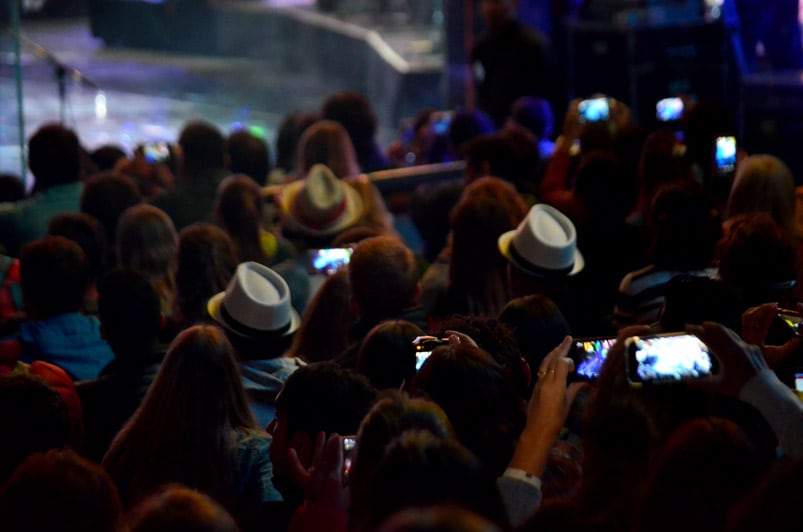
763 183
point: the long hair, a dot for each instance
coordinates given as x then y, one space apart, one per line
477 270
206 262
239 206
184 429
327 142
146 242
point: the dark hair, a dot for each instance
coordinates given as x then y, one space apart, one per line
105 157
441 517
54 156
534 114
59 490
106 196
662 161
510 154
758 258
88 233
206 262
353 111
498 340
677 495
203 146
420 469
387 420
387 355
12 188
479 398
603 187
325 397
290 130
477 270
129 311
239 206
384 276
684 228
692 299
323 333
54 274
466 125
183 430
537 324
35 414
176 508
249 155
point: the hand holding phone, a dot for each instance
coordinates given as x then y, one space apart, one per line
725 154
327 261
669 109
424 345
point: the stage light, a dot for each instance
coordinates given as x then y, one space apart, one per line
100 105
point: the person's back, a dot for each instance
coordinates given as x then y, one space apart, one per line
54 157
131 320
55 275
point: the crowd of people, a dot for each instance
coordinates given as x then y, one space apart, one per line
204 335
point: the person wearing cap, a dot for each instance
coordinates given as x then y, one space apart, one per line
543 258
256 313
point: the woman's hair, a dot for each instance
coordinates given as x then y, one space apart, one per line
387 355
763 183
323 333
239 206
327 142
206 262
480 399
757 257
146 242
291 128
183 430
477 270
387 420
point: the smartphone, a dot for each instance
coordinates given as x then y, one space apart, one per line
156 152
424 345
594 110
791 318
799 384
441 122
663 358
589 354
669 109
327 261
725 154
349 442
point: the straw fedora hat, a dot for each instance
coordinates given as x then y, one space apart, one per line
544 244
256 303
321 204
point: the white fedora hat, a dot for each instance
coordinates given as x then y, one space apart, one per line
256 303
321 204
544 244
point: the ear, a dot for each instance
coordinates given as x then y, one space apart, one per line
304 445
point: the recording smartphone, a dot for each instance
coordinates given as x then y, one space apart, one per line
424 345
594 110
441 122
663 358
327 261
799 384
349 442
156 152
588 355
725 154
669 109
792 319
